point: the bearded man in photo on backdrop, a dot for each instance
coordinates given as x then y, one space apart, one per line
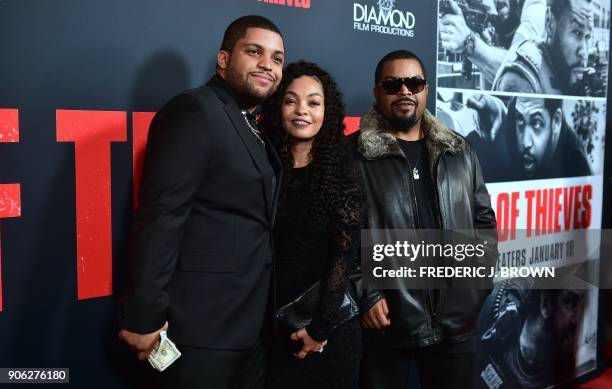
200 245
559 64
418 175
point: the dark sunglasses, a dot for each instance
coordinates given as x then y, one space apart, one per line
393 85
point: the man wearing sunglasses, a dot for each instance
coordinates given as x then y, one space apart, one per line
418 175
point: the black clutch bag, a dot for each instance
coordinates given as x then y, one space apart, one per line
298 313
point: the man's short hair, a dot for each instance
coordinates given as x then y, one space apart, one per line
238 28
398 54
552 105
558 7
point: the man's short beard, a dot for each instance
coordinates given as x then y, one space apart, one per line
403 123
247 94
562 70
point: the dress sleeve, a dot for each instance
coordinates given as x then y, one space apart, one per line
343 252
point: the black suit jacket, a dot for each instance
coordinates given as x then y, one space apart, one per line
200 245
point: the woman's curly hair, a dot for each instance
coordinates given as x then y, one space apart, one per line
326 173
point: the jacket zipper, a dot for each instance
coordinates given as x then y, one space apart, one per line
428 297
441 226
436 187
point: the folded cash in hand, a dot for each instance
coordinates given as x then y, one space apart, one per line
165 354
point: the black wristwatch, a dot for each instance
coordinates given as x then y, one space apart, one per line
469 44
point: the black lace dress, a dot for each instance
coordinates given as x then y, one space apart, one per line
311 248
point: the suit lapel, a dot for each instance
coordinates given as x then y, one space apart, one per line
254 149
258 155
278 171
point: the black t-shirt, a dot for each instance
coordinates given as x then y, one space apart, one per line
427 211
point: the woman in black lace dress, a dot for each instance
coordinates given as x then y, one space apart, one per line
316 229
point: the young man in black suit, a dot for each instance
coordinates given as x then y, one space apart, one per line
200 246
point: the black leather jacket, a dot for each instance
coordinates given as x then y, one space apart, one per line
417 318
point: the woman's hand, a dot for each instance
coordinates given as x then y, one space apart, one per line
309 345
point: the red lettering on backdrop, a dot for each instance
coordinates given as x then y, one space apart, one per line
92 132
352 124
529 196
557 207
514 214
586 202
291 3
140 124
540 211
544 208
577 206
502 212
549 210
507 215
568 203
10 194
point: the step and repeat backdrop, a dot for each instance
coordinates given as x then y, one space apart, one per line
525 81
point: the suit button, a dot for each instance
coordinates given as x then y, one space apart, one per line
269 265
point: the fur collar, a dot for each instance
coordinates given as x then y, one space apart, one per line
375 140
